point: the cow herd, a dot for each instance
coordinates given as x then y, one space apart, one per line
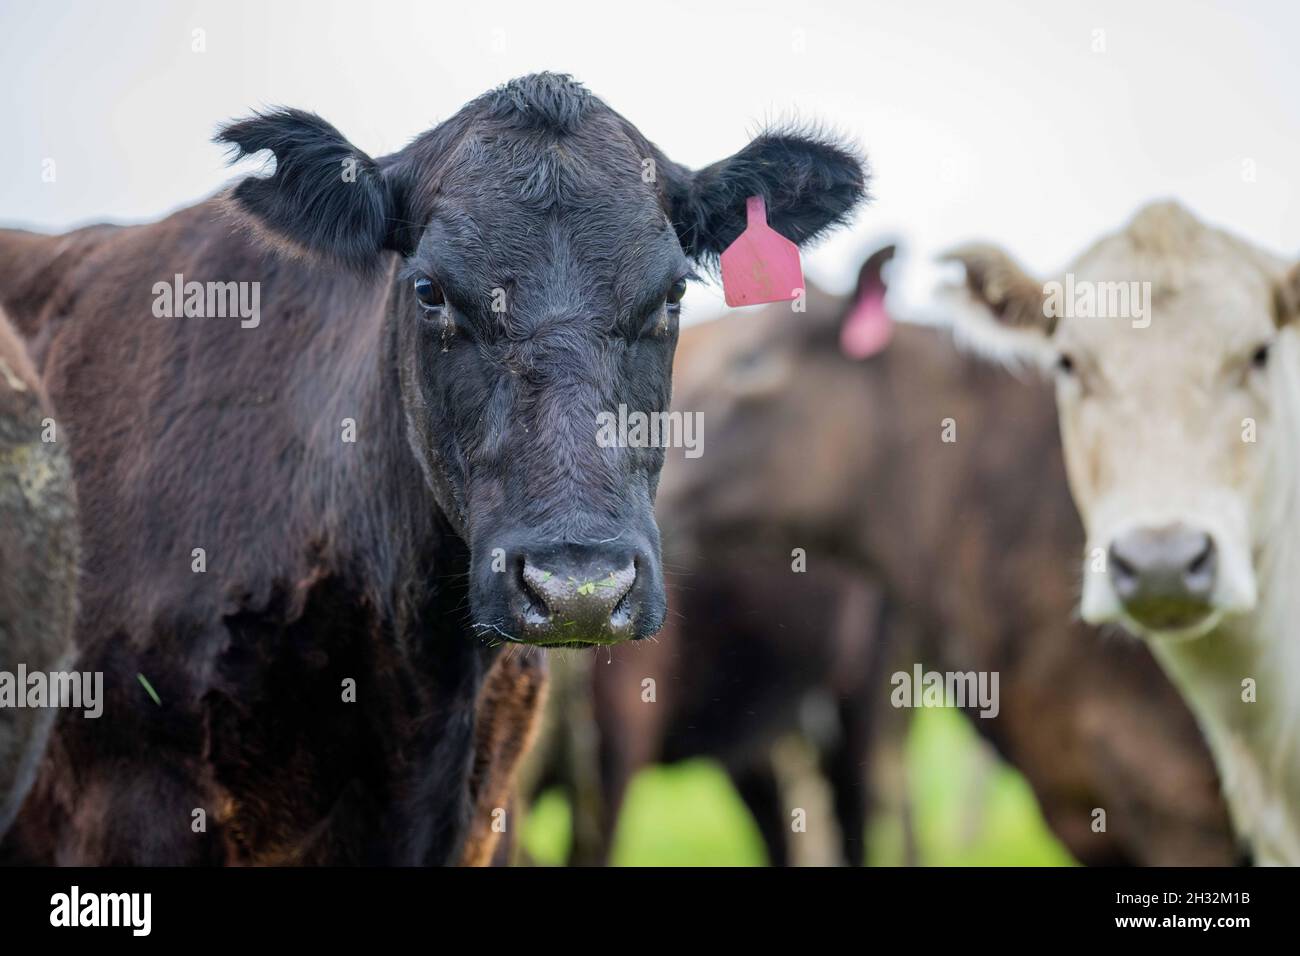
315 556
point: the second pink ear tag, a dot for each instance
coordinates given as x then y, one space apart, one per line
867 328
761 265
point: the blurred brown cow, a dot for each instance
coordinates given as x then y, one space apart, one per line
963 557
38 562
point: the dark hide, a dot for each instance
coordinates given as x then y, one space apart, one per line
38 562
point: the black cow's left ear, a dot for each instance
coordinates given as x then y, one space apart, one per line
810 182
325 198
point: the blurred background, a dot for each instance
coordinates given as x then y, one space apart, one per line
1038 125
1045 122
970 809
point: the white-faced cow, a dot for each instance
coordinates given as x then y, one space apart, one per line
1175 357
335 438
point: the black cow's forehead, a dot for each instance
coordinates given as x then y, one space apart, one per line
601 260
540 142
542 168
550 101
520 211
523 240
539 189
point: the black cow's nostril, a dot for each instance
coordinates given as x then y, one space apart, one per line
535 608
624 607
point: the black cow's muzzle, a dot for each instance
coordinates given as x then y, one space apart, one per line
577 595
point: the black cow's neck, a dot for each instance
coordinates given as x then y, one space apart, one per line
389 537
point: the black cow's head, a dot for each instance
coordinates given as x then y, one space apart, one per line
545 246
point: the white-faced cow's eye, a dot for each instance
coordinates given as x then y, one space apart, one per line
429 293
1259 357
676 294
1065 364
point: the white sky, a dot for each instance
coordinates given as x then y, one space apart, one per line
988 118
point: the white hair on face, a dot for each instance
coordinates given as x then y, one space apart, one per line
1280 557
1258 751
1282 509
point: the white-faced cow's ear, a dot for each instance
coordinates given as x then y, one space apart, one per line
810 181
325 198
997 307
1288 297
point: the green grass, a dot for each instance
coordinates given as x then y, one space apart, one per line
684 815
963 817
689 814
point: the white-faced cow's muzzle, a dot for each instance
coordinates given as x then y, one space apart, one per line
1171 569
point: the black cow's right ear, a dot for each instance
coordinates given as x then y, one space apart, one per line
326 197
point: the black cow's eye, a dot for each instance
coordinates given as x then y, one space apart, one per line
676 293
429 293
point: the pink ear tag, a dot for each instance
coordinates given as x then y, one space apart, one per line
867 328
761 265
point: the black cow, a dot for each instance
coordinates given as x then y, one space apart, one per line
362 490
